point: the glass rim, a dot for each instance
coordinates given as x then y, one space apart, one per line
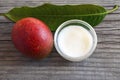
94 36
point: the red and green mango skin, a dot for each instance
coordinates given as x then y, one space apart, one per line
32 37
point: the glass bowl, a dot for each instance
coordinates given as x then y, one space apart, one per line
83 24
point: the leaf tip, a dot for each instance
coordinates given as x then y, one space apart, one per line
116 6
114 9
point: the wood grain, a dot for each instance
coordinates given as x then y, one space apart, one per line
104 64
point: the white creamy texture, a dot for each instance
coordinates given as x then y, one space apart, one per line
75 41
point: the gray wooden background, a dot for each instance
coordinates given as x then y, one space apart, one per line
104 64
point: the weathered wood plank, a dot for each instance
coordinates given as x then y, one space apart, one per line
6 9
7 5
37 2
27 71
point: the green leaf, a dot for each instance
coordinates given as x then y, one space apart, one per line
54 15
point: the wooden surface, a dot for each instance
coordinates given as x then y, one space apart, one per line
104 64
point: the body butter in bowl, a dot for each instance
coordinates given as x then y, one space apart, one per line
75 40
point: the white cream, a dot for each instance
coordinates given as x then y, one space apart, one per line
75 41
